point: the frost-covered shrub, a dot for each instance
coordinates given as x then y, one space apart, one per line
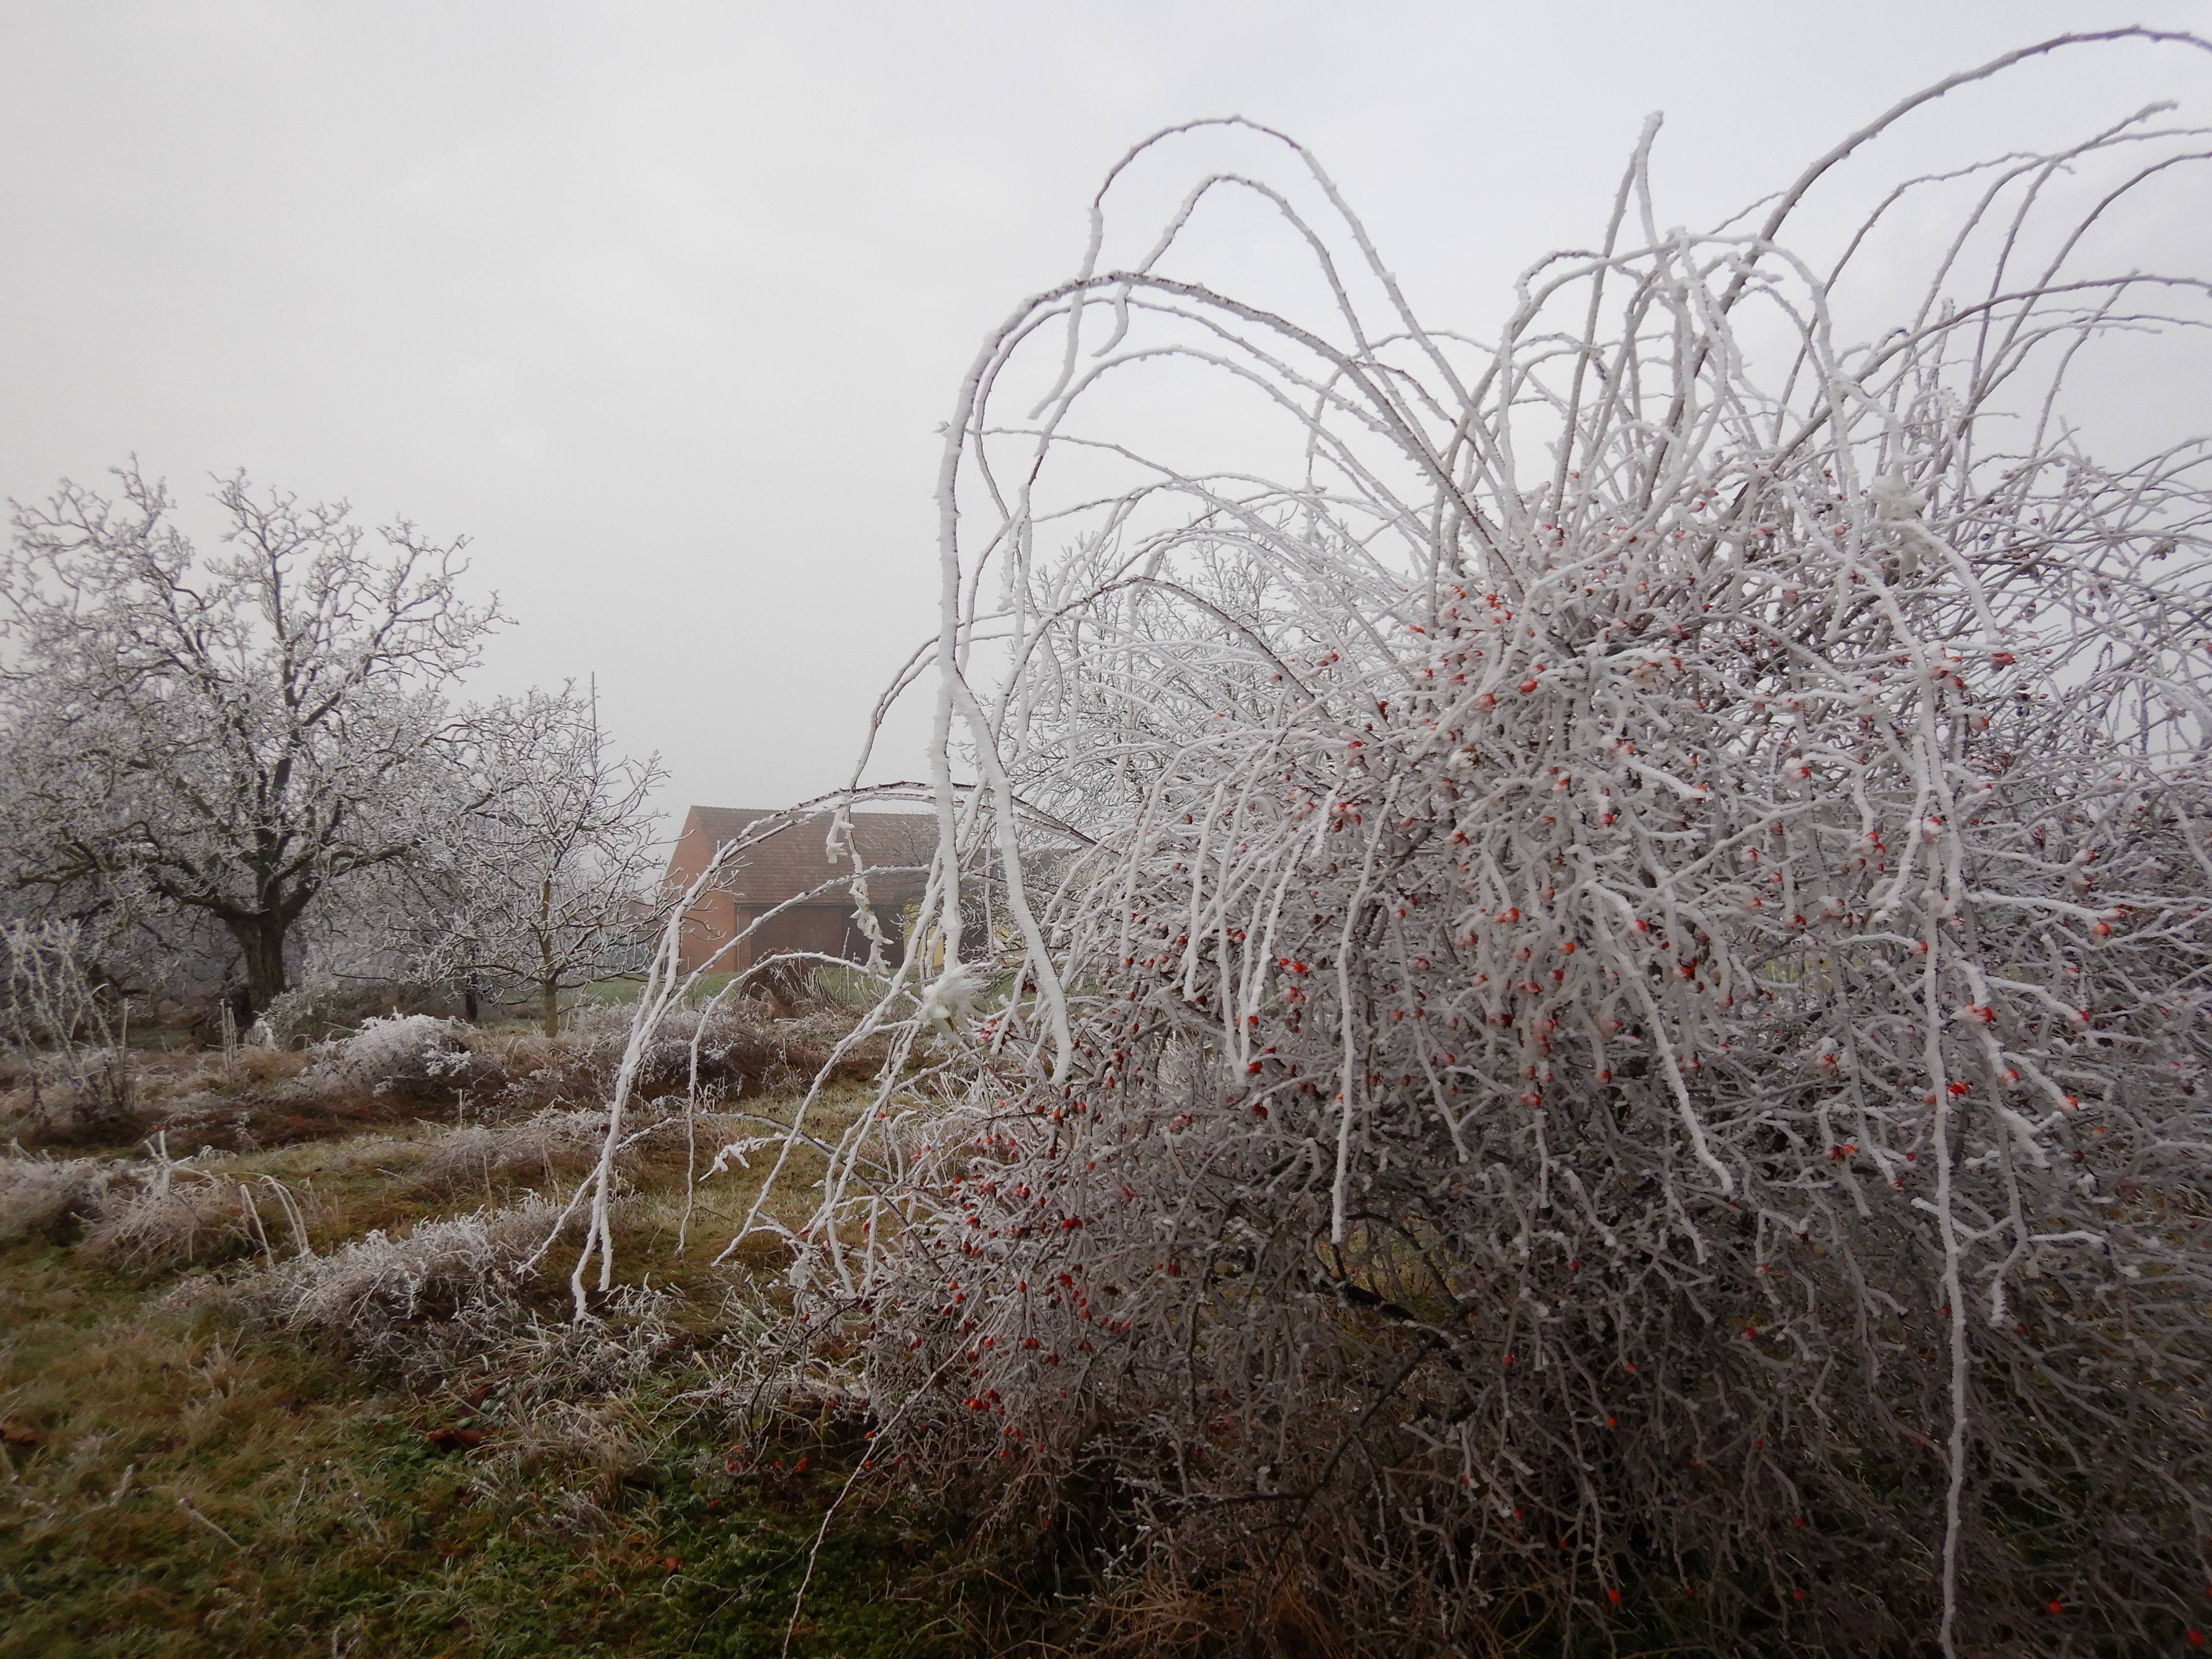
79 1098
1623 1033
41 1197
412 1055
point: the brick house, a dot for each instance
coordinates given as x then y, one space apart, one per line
789 863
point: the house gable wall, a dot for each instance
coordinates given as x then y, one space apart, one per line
793 864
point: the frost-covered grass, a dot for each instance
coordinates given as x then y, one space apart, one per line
401 1070
401 1444
181 1486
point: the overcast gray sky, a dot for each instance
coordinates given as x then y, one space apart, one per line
660 304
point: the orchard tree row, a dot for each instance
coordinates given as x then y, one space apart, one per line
244 755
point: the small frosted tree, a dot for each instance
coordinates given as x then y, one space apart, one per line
549 883
223 738
55 1012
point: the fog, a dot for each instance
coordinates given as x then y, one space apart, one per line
661 304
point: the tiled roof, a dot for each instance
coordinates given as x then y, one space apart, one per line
794 860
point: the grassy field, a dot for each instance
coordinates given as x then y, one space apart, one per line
188 1474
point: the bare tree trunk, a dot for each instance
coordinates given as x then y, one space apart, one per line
261 944
549 973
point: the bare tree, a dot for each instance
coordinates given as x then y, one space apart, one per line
550 882
225 736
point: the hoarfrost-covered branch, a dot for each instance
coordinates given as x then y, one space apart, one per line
1624 1013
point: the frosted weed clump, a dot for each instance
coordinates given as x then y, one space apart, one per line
404 1053
374 1295
168 1212
310 1013
719 1052
178 1223
537 1144
568 1406
1609 1015
154 1210
38 1196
